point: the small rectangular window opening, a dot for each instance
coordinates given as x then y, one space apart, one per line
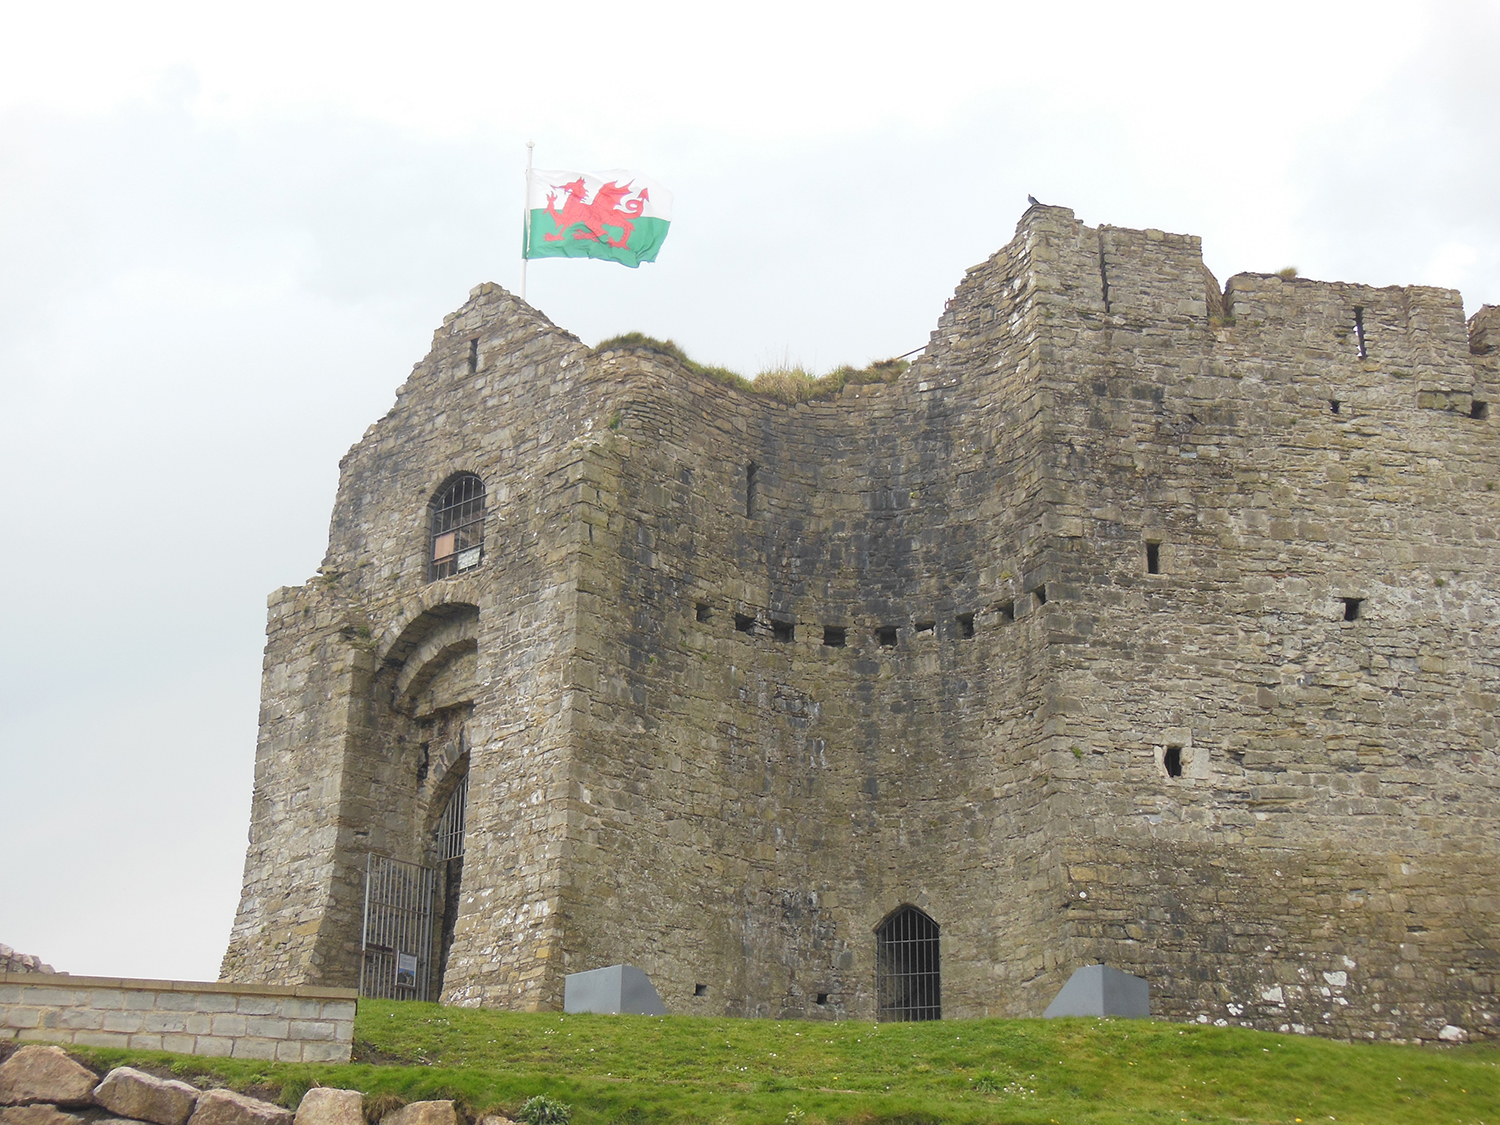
700 990
1352 608
1007 611
474 355
1479 409
886 635
703 611
1335 406
835 636
1359 331
744 623
925 626
752 485
822 998
965 625
784 630
1172 759
1041 594
1153 557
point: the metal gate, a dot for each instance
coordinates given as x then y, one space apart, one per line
397 945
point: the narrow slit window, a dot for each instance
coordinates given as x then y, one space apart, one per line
886 635
474 355
1352 607
1153 557
1172 760
457 522
908 978
703 612
1359 331
784 631
835 636
1479 409
743 623
752 487
965 623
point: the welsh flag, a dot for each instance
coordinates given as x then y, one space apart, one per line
618 215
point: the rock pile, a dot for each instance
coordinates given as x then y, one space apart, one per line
42 1085
13 962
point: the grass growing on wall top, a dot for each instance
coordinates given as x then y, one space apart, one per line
638 1069
787 383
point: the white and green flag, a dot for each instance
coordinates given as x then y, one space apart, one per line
617 215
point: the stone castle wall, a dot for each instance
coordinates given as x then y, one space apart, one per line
669 766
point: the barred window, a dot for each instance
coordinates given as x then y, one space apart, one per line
908 985
457 526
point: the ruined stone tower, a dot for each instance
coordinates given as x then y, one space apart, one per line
1138 622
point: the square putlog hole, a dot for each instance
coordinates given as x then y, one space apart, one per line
835 636
744 623
965 623
700 990
784 631
886 635
704 613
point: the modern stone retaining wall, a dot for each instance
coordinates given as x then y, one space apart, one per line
301 1024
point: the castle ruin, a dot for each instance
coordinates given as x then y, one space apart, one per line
1140 621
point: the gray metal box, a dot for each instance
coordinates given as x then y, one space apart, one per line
614 990
1098 990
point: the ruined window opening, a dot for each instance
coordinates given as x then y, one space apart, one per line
1479 409
1352 608
752 488
457 526
1007 611
1041 594
1153 557
743 623
703 611
784 630
886 635
925 626
1172 760
908 982
474 355
1335 406
1359 331
835 636
700 990
822 998
965 625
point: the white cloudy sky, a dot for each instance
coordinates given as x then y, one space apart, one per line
226 233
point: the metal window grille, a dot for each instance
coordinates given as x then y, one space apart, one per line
908 983
396 947
457 526
450 827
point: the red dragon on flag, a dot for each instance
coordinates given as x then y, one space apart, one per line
619 215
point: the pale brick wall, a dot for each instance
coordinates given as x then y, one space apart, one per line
301 1024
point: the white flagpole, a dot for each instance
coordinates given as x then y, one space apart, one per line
526 220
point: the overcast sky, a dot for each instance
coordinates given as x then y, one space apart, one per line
227 233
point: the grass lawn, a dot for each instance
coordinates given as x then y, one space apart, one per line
632 1069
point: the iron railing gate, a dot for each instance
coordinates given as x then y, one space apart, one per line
397 944
908 978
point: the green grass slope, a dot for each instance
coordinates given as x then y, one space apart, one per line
636 1069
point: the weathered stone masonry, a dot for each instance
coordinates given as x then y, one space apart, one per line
1170 641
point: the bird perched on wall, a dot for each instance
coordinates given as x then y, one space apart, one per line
1034 201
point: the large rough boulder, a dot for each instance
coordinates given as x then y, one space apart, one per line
144 1097
424 1113
45 1074
323 1105
37 1115
225 1107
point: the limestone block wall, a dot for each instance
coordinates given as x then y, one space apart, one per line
288 1024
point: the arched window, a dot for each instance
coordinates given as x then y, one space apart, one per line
908 985
457 526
